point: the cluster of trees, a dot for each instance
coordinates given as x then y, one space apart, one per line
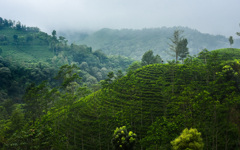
4 23
178 48
147 59
38 101
15 77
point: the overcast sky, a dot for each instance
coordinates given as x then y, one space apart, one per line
207 16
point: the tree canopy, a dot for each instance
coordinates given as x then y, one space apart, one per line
148 58
190 139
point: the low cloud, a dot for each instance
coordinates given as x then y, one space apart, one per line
212 16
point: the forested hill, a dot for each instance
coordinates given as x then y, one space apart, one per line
156 102
134 43
152 104
29 55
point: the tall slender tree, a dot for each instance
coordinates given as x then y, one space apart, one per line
231 40
178 48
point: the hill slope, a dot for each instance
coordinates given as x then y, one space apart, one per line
156 102
29 55
23 45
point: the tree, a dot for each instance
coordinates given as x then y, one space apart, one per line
179 45
123 140
158 59
1 23
15 37
18 25
67 75
29 38
148 58
109 80
204 54
183 49
34 100
119 74
238 33
17 119
159 134
63 40
188 140
54 33
231 40
134 66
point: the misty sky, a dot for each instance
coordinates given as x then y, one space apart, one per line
207 16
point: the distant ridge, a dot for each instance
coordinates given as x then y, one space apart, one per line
134 42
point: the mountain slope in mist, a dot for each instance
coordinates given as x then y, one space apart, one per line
133 43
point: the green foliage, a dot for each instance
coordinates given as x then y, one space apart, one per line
204 54
155 101
32 56
32 138
148 58
119 74
68 74
35 102
159 134
123 140
188 140
227 53
183 49
134 66
17 120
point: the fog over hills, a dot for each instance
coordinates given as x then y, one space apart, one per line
213 16
134 42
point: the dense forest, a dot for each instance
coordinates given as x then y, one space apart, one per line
56 96
133 42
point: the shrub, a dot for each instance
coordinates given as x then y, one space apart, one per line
123 140
188 140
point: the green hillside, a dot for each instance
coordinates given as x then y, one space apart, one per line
228 53
27 47
67 97
134 43
156 102
29 55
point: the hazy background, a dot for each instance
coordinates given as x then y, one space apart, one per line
207 16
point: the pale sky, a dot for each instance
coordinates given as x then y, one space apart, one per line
207 16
